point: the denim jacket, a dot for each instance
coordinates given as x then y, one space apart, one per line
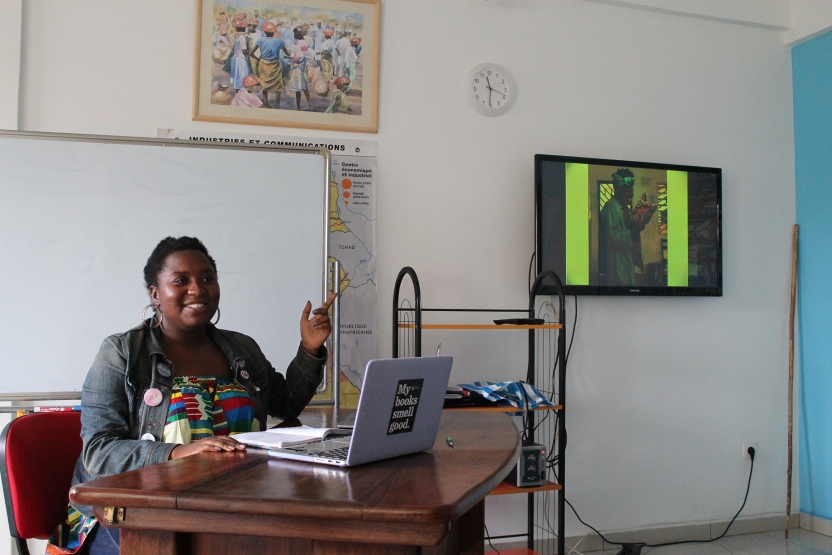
117 424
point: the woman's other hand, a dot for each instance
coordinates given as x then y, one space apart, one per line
315 330
209 444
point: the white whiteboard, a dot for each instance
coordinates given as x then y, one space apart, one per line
80 216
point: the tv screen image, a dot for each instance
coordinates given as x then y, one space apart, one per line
613 227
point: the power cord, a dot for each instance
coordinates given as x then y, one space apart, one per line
488 537
574 325
635 548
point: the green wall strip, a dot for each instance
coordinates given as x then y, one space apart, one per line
677 229
577 224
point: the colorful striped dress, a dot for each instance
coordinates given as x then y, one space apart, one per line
200 407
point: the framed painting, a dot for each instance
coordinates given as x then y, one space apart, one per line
288 63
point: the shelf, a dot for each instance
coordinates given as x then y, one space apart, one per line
482 326
507 489
502 409
408 334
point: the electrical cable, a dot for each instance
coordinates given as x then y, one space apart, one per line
574 326
527 417
552 457
635 547
531 262
547 306
488 537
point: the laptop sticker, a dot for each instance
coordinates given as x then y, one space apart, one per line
408 393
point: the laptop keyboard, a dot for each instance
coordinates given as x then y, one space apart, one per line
339 454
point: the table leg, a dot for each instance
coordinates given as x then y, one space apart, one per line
465 536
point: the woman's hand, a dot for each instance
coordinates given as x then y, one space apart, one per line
209 444
315 330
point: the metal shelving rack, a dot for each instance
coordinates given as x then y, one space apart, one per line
407 341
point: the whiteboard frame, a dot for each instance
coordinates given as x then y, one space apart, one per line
326 277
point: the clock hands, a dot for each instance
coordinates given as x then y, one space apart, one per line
490 90
496 91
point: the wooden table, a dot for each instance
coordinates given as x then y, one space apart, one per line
223 503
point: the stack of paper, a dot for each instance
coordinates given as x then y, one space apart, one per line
275 438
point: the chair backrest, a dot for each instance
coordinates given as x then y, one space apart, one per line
37 457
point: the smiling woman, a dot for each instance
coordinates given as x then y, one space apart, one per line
175 385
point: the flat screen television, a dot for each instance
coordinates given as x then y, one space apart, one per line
615 227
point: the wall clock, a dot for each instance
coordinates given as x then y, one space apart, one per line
490 89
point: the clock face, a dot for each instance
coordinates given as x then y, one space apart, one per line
490 89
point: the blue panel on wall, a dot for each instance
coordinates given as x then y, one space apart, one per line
812 74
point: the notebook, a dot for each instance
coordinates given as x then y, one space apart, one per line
398 414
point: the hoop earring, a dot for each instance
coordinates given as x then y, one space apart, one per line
218 317
157 314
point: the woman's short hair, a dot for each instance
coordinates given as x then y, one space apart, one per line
167 247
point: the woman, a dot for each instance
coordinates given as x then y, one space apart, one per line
269 68
239 65
175 385
297 75
325 51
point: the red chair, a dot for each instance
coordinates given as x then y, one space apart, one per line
37 457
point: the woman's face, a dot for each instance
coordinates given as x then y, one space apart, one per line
188 292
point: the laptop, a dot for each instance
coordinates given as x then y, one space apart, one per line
398 414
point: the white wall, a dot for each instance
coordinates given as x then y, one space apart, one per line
662 392
770 14
800 19
10 12
809 18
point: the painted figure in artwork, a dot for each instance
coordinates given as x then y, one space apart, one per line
340 103
222 19
297 74
221 47
325 51
238 64
343 49
250 95
269 69
318 37
260 20
349 72
253 34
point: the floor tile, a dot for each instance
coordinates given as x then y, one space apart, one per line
812 540
787 548
681 549
698 548
800 542
752 542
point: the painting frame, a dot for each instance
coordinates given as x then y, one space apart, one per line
352 106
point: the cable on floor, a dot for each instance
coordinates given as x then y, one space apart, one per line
634 548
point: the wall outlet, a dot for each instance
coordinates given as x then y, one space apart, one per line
745 447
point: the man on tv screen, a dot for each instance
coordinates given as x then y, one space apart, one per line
619 233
